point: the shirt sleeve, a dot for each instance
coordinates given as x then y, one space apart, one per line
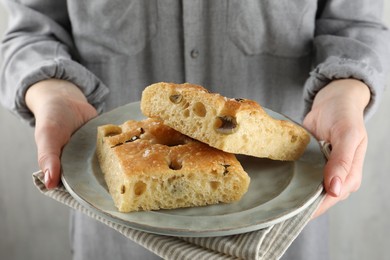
350 42
38 46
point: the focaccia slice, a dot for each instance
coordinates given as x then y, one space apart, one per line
239 126
149 166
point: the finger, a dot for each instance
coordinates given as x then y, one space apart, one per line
340 161
50 164
354 179
352 182
49 144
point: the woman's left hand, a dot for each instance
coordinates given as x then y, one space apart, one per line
337 117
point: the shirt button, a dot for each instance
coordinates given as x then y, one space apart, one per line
194 53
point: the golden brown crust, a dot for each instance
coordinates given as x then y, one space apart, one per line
238 126
150 166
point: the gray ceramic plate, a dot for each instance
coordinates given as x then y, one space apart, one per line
278 190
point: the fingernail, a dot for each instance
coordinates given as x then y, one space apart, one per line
47 177
335 186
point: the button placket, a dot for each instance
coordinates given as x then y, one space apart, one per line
193 38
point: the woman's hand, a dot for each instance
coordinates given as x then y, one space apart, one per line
337 117
60 108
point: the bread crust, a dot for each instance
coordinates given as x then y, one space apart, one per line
238 126
149 166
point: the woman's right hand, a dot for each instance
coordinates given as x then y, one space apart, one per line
60 108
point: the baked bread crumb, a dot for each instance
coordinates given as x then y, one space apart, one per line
149 166
238 126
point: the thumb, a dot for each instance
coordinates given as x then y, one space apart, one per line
49 145
51 166
340 162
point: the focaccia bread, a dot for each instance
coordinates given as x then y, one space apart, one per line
149 166
239 126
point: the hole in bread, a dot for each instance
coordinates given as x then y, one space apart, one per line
185 105
176 98
172 143
214 185
199 109
139 188
175 165
186 113
112 130
215 172
123 189
180 201
132 139
293 137
225 124
174 178
226 169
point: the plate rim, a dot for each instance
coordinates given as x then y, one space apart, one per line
184 232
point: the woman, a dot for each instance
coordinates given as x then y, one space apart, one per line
66 61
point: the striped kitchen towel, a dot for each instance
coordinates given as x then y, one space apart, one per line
267 243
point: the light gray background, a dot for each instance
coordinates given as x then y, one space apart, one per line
35 227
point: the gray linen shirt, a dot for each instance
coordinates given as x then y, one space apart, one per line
275 52
279 53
